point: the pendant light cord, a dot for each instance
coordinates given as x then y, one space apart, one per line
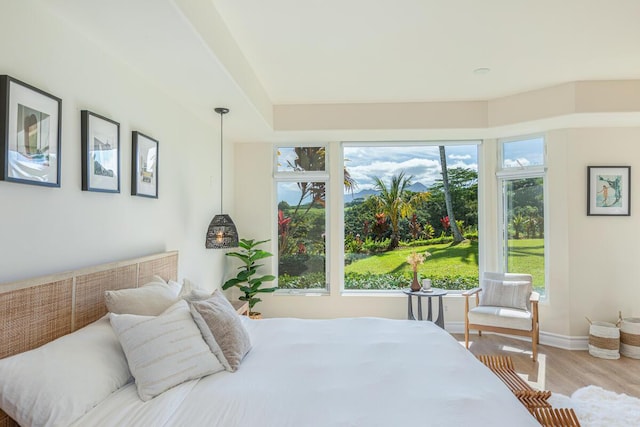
221 164
222 111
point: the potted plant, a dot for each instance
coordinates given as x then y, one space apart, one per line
245 280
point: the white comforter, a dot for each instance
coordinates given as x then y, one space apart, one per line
342 372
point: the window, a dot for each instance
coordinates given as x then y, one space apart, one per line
301 179
522 214
395 204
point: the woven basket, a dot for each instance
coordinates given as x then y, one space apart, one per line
604 340
630 337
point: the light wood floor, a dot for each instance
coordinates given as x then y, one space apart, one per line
561 371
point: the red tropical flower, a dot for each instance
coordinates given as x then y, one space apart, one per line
283 223
445 222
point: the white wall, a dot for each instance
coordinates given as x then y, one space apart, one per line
603 267
45 230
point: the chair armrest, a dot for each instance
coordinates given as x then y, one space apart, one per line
467 294
535 297
470 292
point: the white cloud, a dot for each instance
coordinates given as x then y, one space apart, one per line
422 162
423 170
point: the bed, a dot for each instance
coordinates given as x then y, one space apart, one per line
341 372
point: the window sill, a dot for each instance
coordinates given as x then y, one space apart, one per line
302 292
354 293
389 293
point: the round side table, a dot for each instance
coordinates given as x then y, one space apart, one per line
435 292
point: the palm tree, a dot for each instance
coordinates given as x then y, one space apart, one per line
457 236
392 203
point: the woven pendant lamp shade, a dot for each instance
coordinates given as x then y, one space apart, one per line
222 232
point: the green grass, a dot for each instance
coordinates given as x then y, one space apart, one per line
527 256
455 265
445 260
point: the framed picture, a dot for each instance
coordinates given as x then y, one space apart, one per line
144 166
100 153
609 190
29 134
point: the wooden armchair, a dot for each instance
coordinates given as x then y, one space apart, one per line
508 306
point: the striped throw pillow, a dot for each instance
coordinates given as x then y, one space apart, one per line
511 294
164 351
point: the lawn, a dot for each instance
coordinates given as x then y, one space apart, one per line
445 260
527 256
449 266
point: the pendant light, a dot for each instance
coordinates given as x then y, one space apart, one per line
222 232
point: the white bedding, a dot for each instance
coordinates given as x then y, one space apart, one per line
342 372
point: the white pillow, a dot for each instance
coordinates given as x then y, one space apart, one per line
150 299
189 291
511 294
222 329
164 351
59 382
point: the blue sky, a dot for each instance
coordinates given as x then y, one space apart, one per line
526 152
423 162
364 162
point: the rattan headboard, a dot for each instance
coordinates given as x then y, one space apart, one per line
36 311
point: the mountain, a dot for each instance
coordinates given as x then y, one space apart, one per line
417 187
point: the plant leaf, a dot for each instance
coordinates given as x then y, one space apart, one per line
267 290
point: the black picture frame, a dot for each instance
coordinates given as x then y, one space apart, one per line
100 141
30 134
608 190
144 165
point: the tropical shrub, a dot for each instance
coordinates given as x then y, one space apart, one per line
307 281
392 281
298 264
375 246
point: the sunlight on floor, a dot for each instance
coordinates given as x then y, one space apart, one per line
537 379
542 368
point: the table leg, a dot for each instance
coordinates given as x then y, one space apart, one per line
440 319
410 315
429 308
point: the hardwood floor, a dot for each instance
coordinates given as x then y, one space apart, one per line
561 371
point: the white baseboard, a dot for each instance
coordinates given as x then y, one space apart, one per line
546 338
564 341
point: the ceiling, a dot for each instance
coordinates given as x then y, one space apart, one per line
250 55
336 51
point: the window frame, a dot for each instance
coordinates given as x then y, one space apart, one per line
515 173
478 142
303 176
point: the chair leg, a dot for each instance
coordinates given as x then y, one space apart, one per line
535 340
479 333
466 336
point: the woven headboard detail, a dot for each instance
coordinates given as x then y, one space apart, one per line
36 311
166 267
90 288
34 316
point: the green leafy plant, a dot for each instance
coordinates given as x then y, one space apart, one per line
245 280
